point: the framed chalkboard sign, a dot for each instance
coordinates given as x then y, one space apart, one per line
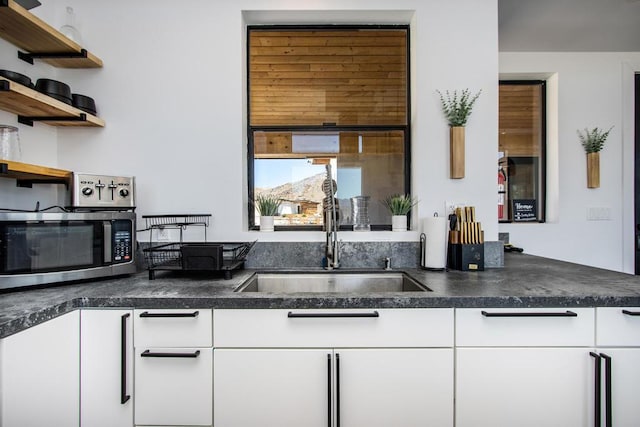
525 210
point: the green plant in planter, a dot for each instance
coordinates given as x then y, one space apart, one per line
593 140
267 204
457 106
400 204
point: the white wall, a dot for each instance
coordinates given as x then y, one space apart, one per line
172 92
39 143
593 89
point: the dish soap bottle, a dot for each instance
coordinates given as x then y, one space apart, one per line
69 28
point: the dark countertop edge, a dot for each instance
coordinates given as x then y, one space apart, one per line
321 302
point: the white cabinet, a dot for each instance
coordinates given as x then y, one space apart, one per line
40 375
387 387
272 387
318 368
173 367
524 367
106 368
618 346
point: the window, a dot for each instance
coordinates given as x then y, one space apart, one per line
328 96
521 151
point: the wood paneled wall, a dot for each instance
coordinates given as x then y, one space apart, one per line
346 77
279 144
520 119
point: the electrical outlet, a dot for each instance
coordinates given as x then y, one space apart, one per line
450 207
598 214
162 234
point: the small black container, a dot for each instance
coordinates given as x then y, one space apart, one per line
202 256
55 89
16 77
84 103
469 257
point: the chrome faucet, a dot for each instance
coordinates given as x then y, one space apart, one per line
332 246
387 263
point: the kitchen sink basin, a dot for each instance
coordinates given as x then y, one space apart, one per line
331 282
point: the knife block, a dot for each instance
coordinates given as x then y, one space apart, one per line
468 257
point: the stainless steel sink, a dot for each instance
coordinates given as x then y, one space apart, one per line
331 282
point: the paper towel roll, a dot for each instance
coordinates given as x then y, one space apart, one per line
434 250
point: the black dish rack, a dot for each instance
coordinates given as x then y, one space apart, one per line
191 256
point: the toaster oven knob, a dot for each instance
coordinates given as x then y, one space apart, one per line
123 192
87 191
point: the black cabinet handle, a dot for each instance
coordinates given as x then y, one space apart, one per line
631 313
598 389
147 314
531 314
325 315
329 384
124 397
607 390
148 353
337 389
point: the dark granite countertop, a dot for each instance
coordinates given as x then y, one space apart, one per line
525 281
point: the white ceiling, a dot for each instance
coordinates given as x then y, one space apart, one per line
569 25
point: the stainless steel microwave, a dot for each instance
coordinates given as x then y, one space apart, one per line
39 248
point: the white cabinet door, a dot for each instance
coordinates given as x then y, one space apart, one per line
625 377
394 387
524 387
40 375
106 368
173 386
272 388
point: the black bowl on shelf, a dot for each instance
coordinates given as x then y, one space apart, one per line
84 103
16 77
55 89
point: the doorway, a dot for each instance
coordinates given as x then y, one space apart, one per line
637 173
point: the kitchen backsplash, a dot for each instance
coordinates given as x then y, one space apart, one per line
352 254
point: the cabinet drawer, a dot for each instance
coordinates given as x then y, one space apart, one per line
172 328
174 386
618 326
334 328
525 327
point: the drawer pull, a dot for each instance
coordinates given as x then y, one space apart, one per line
124 397
324 315
631 313
148 353
608 418
329 385
597 403
147 314
531 314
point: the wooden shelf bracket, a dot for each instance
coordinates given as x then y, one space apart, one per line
28 120
29 57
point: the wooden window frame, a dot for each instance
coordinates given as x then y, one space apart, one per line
406 128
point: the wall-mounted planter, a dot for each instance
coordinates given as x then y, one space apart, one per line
593 170
456 148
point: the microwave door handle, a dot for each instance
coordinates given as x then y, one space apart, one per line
106 235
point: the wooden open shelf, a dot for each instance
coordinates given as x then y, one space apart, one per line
30 174
26 102
26 31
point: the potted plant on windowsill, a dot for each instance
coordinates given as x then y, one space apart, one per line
399 205
457 109
592 141
268 206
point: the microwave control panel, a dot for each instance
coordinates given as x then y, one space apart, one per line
122 243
